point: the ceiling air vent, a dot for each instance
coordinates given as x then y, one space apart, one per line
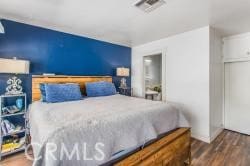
149 5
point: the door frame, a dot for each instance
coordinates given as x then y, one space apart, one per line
163 72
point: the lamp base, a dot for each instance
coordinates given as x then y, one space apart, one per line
123 83
14 86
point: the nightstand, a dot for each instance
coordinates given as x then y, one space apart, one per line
127 91
13 139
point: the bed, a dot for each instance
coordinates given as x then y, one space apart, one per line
133 131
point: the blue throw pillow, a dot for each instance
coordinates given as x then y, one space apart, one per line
96 89
43 92
62 92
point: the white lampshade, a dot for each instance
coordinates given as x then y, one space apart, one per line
123 72
14 66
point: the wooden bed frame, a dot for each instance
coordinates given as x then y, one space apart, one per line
173 148
81 80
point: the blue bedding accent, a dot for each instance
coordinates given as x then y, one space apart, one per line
100 89
62 92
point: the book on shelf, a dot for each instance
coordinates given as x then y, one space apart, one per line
10 110
7 127
12 145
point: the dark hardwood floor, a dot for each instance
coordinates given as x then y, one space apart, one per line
228 149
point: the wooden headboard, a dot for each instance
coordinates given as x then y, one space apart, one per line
81 80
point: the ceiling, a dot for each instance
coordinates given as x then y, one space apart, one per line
118 21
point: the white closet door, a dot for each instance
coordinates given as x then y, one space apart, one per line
237 97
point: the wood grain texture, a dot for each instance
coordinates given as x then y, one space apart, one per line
229 148
81 80
173 149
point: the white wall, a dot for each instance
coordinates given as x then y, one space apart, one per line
237 48
187 75
216 84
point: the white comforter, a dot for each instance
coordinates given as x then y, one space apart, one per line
117 122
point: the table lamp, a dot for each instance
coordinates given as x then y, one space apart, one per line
122 72
14 66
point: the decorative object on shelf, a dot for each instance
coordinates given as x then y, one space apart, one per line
122 72
10 110
19 103
13 144
14 86
7 127
16 67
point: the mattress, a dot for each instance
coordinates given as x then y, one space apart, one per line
116 123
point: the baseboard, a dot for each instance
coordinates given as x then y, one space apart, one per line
200 137
238 131
205 138
215 134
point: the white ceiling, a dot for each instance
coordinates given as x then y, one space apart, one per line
118 21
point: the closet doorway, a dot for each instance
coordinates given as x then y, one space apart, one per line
237 96
153 76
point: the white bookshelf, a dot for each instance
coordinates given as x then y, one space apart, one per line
22 116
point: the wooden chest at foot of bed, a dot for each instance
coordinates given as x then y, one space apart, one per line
173 149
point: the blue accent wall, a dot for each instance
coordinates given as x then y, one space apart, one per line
60 53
